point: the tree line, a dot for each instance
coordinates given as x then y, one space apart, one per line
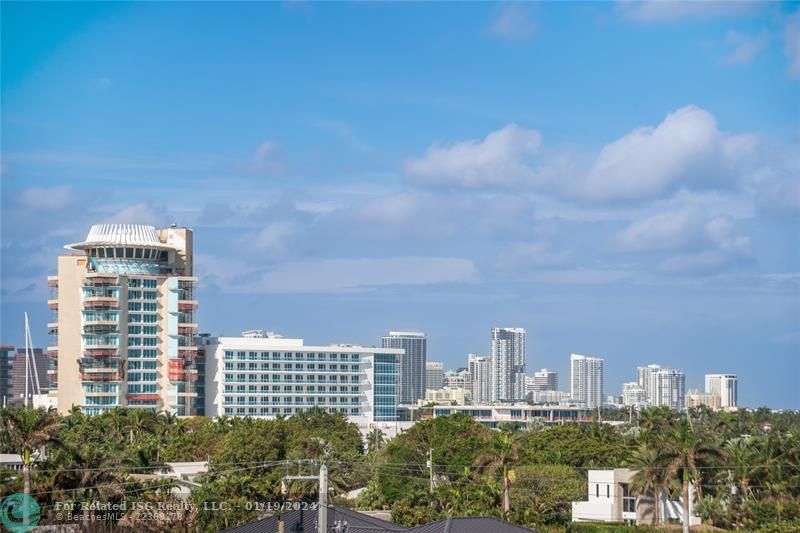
744 465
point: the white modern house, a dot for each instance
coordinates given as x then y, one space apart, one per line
611 500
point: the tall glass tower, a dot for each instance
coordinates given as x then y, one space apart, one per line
413 373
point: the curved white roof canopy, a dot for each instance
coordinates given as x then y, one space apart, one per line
138 235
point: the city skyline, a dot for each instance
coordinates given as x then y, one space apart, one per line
632 193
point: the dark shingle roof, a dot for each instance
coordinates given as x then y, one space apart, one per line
475 524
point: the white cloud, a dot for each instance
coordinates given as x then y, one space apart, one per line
348 275
671 11
663 231
266 160
686 149
791 44
531 255
141 213
501 159
514 23
274 238
47 197
702 243
745 47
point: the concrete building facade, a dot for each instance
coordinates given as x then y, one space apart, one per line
480 371
587 380
508 364
273 376
725 386
434 371
124 324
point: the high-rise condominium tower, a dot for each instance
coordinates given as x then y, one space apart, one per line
644 374
435 375
413 375
724 385
480 371
508 364
668 388
125 324
587 380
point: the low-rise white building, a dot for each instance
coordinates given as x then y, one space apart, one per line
611 500
520 414
269 376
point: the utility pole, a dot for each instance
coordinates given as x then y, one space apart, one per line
430 468
322 509
322 504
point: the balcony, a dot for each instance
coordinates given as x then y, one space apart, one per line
96 351
52 304
101 279
112 376
187 305
52 281
52 352
142 397
99 304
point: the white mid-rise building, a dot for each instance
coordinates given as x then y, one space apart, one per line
508 364
544 380
633 395
724 385
273 376
480 371
587 380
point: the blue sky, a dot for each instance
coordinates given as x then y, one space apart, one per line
621 179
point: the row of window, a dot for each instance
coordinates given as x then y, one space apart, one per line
146 318
288 401
142 365
252 389
142 341
233 378
142 306
129 253
97 316
142 376
288 367
288 356
287 411
146 388
139 283
147 353
142 330
142 295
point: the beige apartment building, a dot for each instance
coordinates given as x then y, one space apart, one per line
124 309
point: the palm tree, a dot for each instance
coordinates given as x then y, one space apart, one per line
503 449
375 440
29 429
649 477
686 450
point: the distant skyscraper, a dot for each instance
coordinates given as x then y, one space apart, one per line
508 364
724 385
480 371
413 374
645 382
435 375
669 388
6 369
42 361
457 379
545 380
587 380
